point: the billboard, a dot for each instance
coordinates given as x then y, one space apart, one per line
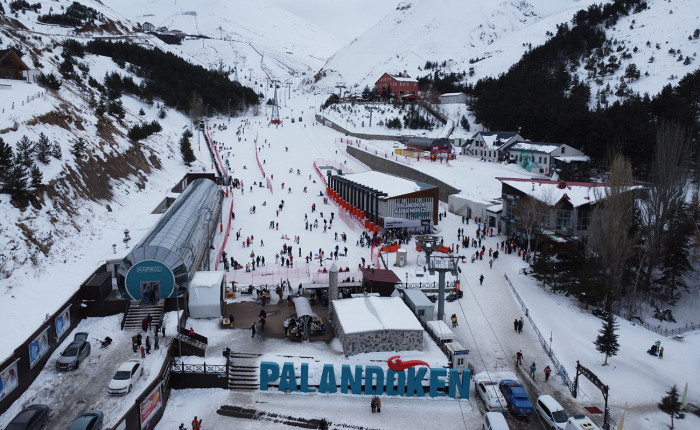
8 380
151 404
62 323
38 347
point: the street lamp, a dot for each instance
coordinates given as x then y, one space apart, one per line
176 289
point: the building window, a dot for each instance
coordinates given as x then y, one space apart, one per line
563 149
582 219
421 312
563 219
540 159
511 204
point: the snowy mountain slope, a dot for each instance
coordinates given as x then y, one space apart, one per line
491 36
436 30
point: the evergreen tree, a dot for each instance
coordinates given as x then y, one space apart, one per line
606 342
16 182
141 112
464 123
78 148
37 176
23 153
676 249
671 404
43 149
6 156
186 149
56 151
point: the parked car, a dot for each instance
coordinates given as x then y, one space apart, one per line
518 402
75 352
490 394
126 376
551 413
89 420
600 313
32 417
495 421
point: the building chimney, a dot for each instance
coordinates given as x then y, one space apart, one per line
405 74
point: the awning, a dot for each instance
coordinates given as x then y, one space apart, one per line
303 307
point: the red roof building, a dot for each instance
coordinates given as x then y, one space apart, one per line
400 86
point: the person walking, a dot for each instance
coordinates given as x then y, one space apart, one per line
148 345
515 324
196 424
155 341
547 371
144 323
532 370
379 404
481 280
373 404
143 352
149 318
520 325
519 358
253 330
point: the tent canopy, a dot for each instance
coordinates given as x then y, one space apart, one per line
303 307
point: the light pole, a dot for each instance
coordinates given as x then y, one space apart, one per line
176 289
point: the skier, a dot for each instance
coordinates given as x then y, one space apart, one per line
454 320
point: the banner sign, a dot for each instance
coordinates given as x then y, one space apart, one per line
8 380
151 405
38 347
406 382
62 323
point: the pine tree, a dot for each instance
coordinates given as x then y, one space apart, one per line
186 149
606 342
6 156
23 153
671 404
16 182
78 148
464 123
56 151
43 149
37 176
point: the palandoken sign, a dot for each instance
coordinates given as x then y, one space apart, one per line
408 381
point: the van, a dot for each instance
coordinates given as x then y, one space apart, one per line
551 413
580 422
495 421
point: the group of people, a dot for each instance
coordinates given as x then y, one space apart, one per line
518 325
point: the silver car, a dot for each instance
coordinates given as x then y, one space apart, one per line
77 351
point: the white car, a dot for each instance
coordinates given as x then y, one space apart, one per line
490 394
126 376
551 413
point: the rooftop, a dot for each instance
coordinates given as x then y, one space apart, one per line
366 314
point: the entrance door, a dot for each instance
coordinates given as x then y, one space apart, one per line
150 292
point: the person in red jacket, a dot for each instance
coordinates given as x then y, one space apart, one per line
196 424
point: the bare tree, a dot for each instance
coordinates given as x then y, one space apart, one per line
532 215
665 195
611 238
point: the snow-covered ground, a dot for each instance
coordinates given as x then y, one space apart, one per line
485 313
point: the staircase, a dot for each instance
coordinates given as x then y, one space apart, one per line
190 345
138 311
243 371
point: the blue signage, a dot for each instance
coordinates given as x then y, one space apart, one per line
377 380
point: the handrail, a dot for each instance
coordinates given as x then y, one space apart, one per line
126 312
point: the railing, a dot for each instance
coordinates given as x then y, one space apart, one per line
663 331
427 285
179 367
561 371
126 312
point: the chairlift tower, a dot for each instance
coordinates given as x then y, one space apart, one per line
275 116
370 109
235 72
340 86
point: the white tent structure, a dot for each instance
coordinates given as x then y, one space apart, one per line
206 293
